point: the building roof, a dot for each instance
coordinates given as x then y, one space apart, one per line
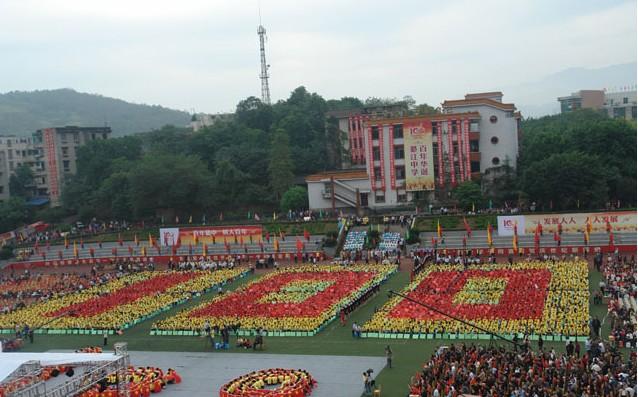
432 117
479 95
478 101
338 174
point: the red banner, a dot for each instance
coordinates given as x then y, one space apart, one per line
52 164
373 183
157 259
393 179
439 144
466 135
210 235
450 151
381 158
459 145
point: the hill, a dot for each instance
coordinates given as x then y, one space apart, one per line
22 113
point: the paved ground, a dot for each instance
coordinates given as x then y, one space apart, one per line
204 373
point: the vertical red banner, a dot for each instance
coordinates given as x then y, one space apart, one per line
466 133
393 179
459 144
52 164
351 134
381 158
450 152
439 144
370 160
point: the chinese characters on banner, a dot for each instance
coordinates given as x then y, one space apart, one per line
52 165
419 174
621 221
211 235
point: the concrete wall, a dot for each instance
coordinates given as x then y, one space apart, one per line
505 129
316 189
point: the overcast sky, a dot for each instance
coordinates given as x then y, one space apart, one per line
204 54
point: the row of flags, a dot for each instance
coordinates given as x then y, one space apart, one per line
537 233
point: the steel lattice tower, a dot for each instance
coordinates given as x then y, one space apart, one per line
265 90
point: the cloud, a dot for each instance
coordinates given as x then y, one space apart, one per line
204 54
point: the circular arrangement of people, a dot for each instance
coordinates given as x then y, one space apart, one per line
217 204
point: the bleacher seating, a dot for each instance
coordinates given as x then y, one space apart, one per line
355 240
389 241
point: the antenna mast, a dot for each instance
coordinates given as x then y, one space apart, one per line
265 90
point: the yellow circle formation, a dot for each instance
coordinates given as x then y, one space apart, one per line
272 382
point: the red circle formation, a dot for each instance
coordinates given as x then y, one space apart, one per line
253 384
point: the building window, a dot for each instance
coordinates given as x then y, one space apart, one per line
494 140
474 146
76 137
398 131
475 166
379 197
10 153
377 171
474 127
399 172
327 188
625 100
10 165
1 189
496 161
376 153
493 119
399 153
509 114
65 151
619 112
402 198
375 132
66 164
104 135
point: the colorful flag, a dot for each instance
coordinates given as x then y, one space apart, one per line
150 240
439 230
195 239
204 250
257 218
306 234
137 242
143 251
66 242
611 240
588 226
76 253
489 235
468 230
276 245
119 239
608 226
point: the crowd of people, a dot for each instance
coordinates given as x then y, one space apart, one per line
496 371
619 285
18 291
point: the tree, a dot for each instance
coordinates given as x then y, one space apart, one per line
568 180
281 166
13 213
176 181
468 194
345 103
21 181
295 198
253 113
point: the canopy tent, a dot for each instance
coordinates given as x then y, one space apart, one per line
10 362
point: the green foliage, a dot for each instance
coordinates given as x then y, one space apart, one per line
21 181
25 112
570 179
13 213
295 198
575 157
468 194
6 252
281 165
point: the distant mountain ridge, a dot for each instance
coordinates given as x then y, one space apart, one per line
539 98
24 112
